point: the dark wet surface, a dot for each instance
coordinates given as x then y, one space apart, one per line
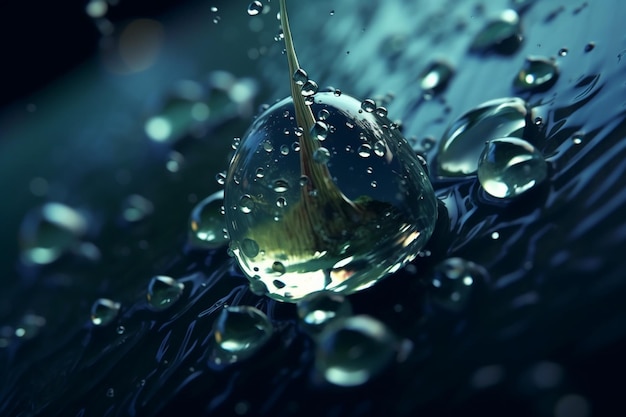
542 335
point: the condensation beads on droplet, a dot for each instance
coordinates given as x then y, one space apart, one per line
318 309
342 229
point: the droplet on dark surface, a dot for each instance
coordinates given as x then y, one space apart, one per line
509 167
536 74
502 35
464 140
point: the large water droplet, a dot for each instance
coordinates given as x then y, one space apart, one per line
502 35
464 140
163 291
332 234
49 231
353 350
104 311
509 167
242 329
206 222
537 74
318 309
452 282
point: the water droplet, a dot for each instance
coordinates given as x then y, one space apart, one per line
49 231
284 149
279 268
464 140
110 393
321 155
332 234
235 143
589 47
246 204
255 8
537 74
280 185
452 281
318 309
319 130
365 150
374 184
163 291
300 76
353 350
104 311
577 138
120 329
563 52
381 111
220 177
495 235
435 76
281 202
323 114
380 148
368 105
136 208
509 167
242 329
267 146
502 35
206 222
309 88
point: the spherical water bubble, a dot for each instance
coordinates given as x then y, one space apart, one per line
436 76
242 329
463 141
49 231
255 8
381 111
318 309
509 167
175 161
502 35
331 234
537 74
452 282
353 350
163 291
206 222
104 311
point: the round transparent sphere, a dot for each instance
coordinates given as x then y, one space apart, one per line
339 212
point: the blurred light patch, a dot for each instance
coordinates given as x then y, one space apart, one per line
135 49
